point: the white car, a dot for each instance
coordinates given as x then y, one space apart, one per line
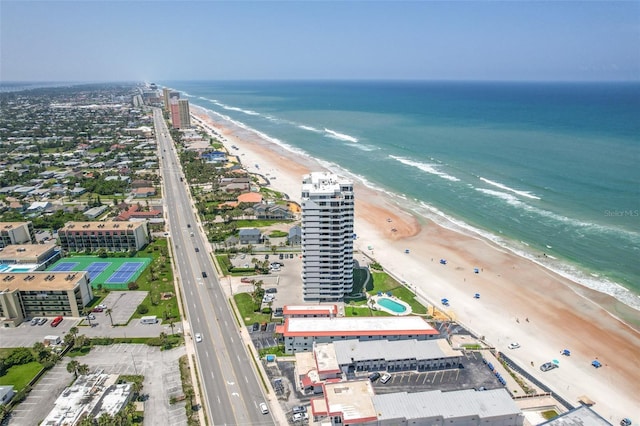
263 408
198 338
514 345
385 378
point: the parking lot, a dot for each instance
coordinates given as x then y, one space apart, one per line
263 339
161 376
40 400
123 305
25 335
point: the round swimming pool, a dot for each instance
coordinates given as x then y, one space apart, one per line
391 305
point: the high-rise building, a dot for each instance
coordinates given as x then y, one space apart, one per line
174 109
165 98
183 110
327 237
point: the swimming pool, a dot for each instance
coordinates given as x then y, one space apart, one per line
391 305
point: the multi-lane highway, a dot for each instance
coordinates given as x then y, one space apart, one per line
231 391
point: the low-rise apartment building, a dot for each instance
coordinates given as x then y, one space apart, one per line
355 402
110 235
42 255
16 233
300 334
42 294
309 311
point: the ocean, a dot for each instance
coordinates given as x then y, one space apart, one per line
550 171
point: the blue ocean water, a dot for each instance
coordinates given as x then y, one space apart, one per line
548 170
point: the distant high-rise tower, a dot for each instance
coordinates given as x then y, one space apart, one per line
183 110
165 97
327 237
174 109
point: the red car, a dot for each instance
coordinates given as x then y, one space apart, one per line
97 309
56 321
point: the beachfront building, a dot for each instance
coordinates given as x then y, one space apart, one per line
16 233
345 403
341 359
42 294
327 237
174 111
185 115
111 236
300 334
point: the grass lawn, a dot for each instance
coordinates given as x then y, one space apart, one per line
384 283
158 279
245 306
362 310
20 375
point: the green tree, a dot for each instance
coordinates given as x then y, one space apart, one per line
72 367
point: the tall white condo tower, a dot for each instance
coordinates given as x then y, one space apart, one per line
327 237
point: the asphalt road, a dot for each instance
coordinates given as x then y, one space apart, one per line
232 392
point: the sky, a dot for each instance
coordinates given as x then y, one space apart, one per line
284 40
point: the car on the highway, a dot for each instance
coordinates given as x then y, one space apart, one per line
548 366
197 250
263 408
198 338
204 274
514 345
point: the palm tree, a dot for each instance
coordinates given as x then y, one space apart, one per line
72 367
83 369
108 312
171 325
85 313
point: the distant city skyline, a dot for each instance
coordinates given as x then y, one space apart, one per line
286 40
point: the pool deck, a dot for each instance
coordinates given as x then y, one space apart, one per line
407 311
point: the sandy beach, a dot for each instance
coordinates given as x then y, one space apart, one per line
520 300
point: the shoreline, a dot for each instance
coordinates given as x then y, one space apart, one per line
512 287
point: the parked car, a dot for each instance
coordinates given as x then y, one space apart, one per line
263 326
374 376
91 317
271 290
34 321
97 309
548 366
42 321
56 321
514 345
298 417
385 378
299 409
263 408
256 326
102 306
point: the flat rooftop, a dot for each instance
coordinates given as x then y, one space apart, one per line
446 405
6 226
310 309
358 326
325 358
18 251
348 351
99 226
351 400
45 281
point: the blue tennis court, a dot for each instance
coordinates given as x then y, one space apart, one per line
125 272
64 267
113 273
